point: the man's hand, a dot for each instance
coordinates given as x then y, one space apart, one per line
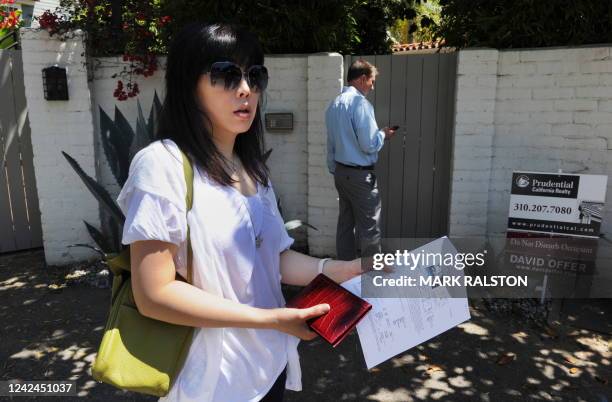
389 132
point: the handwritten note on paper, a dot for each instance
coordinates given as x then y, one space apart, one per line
397 323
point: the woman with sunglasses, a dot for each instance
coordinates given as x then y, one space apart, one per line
245 343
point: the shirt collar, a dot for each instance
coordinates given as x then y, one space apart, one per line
352 89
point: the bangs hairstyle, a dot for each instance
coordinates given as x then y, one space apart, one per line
191 54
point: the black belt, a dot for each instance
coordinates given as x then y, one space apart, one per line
370 167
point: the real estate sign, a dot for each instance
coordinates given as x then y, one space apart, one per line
557 203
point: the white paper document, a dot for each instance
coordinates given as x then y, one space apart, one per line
396 324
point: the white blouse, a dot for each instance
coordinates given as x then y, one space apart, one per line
224 364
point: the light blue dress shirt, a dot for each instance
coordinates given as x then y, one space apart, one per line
353 137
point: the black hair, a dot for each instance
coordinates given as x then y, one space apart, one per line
190 55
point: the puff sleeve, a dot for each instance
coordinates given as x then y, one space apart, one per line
153 197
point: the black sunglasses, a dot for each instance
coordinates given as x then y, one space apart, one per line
231 74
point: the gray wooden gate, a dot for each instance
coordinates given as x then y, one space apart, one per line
19 213
416 92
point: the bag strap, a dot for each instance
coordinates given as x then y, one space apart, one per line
120 264
188 173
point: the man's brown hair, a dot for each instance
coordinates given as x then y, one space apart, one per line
358 68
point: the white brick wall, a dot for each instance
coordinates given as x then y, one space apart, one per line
324 83
543 109
60 126
552 109
288 92
474 131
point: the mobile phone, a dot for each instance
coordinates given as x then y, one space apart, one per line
394 128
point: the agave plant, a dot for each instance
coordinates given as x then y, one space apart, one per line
120 143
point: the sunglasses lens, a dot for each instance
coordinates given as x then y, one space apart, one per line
233 77
216 73
258 78
229 73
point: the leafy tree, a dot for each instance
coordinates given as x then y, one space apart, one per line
421 27
303 26
140 30
524 23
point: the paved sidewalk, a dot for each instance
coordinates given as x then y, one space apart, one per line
53 332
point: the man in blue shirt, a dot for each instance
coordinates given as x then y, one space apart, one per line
353 143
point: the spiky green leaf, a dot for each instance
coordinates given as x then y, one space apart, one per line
97 190
153 121
115 235
98 238
96 249
141 138
116 144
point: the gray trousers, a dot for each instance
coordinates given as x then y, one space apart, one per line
359 218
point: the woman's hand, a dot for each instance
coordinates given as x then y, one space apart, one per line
293 320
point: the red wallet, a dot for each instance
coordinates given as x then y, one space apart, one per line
346 309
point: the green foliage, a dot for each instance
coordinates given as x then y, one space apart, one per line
421 27
133 27
97 190
114 26
140 30
9 39
373 19
345 26
121 143
524 23
282 26
10 22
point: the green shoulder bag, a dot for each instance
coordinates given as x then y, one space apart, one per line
138 353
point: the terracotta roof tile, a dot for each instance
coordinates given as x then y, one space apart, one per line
406 47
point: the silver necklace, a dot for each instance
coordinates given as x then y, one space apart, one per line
258 237
230 164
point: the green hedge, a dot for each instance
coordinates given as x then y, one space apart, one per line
302 26
283 26
525 23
